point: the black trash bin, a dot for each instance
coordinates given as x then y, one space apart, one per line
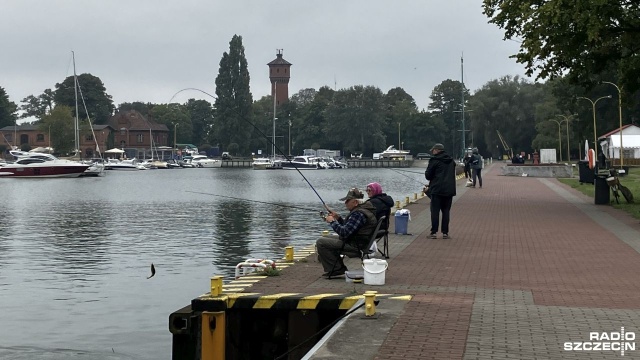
586 175
602 193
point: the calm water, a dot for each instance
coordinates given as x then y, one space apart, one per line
75 253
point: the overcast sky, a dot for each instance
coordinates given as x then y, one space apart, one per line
147 50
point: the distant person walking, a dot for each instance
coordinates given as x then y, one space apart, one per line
467 166
476 167
441 173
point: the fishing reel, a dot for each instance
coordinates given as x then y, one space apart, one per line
323 215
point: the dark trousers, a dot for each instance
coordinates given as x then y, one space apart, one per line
439 204
467 172
477 173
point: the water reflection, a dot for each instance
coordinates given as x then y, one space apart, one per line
75 253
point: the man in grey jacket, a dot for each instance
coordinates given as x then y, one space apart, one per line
476 167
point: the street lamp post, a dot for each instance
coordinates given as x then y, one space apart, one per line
620 116
567 119
398 134
559 136
175 143
289 137
593 107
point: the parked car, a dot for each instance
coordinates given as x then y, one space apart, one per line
422 156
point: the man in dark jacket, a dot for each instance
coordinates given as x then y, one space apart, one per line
476 167
441 173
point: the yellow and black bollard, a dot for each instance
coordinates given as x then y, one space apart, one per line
406 200
397 204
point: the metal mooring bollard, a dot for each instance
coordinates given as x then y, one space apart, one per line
406 200
216 285
288 253
415 196
397 204
369 303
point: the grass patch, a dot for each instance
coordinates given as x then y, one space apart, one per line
271 272
631 181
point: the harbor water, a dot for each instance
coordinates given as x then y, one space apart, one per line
75 254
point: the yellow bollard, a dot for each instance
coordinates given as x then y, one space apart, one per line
213 330
415 196
288 253
397 204
369 303
216 285
325 232
406 200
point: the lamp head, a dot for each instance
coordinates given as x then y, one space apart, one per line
609 97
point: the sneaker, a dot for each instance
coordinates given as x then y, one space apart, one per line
445 236
433 236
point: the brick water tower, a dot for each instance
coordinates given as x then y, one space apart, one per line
279 74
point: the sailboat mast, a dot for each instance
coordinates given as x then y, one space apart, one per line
275 95
76 123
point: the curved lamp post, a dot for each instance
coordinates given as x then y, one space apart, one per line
620 116
593 105
559 136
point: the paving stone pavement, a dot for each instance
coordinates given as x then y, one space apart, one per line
531 265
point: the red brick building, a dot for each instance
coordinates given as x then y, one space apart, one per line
279 74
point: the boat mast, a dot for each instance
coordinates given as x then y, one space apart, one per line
76 125
273 144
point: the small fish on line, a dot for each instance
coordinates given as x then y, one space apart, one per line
153 271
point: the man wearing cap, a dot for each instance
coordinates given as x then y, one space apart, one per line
441 173
353 232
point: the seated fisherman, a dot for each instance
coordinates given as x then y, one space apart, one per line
354 233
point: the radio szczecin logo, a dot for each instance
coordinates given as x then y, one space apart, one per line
606 341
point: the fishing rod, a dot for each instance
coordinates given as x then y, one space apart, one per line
409 171
265 136
255 201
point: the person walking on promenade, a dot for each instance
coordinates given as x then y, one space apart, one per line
353 232
476 167
467 166
381 201
441 173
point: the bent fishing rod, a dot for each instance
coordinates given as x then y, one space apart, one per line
255 201
261 133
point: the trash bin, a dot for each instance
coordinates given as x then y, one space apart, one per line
602 193
586 175
402 221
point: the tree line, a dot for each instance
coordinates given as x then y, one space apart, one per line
362 119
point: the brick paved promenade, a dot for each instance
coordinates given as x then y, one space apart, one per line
531 264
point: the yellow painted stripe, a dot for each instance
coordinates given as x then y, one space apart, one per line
349 301
401 297
231 298
245 281
254 277
267 301
232 289
311 302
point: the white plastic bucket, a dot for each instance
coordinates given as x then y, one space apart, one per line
374 271
352 275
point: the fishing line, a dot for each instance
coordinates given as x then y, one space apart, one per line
256 201
265 136
421 183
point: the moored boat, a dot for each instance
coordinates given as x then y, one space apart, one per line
34 167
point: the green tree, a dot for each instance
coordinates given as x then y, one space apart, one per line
584 38
99 103
400 108
201 114
139 106
37 107
233 99
59 124
355 120
446 101
7 109
175 117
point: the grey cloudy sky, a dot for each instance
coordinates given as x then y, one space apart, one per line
147 50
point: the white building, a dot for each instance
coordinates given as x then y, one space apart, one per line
610 143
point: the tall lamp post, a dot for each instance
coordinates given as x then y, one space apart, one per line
289 137
559 136
398 134
593 107
567 119
620 116
175 143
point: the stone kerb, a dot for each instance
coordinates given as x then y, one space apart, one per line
547 171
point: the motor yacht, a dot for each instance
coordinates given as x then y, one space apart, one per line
394 154
42 166
305 163
202 161
266 164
